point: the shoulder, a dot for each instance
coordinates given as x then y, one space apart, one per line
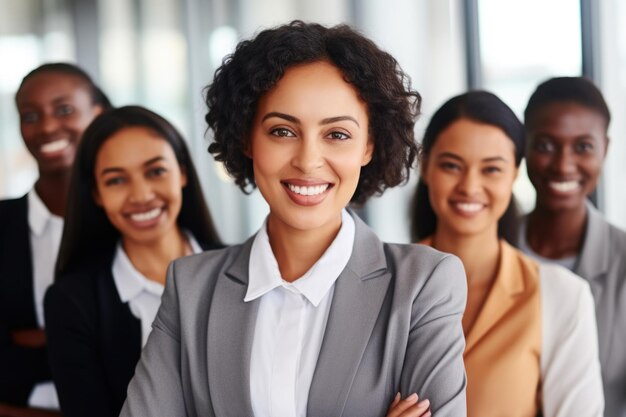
80 285
192 273
566 299
14 204
12 209
557 281
208 260
426 270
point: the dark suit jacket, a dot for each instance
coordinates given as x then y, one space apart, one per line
394 325
20 368
94 341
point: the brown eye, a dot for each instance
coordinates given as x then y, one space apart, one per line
336 135
29 117
282 132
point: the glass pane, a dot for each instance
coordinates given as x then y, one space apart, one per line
31 32
523 43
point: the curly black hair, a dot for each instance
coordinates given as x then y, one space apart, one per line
257 65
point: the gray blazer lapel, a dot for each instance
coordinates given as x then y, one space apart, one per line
359 294
594 257
593 265
229 340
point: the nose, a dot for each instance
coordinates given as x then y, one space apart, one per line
469 183
563 162
48 124
308 155
140 192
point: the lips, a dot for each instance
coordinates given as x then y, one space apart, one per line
307 192
467 208
54 147
147 218
564 187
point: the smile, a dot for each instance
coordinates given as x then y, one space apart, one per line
469 207
308 190
56 146
564 186
147 215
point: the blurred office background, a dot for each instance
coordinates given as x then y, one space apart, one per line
161 53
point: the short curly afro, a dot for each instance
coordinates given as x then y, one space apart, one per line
257 65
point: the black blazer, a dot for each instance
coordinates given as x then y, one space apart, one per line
94 340
20 368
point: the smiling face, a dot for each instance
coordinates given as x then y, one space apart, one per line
469 173
55 109
308 143
139 184
567 144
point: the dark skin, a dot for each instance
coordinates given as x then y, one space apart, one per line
7 410
567 144
55 109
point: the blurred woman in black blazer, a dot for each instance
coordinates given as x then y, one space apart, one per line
136 205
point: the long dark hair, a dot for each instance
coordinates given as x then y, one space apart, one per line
88 235
481 107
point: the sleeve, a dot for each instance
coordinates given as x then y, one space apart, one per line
433 364
570 367
156 389
74 355
20 368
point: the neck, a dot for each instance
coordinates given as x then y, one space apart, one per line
153 258
480 253
296 251
556 235
53 190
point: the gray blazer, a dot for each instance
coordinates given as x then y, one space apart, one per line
602 262
394 325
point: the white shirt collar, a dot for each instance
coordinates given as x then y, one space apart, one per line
264 274
129 282
38 214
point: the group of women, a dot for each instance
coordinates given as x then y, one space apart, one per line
313 315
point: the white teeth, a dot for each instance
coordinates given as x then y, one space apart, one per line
303 190
55 146
148 215
469 207
564 186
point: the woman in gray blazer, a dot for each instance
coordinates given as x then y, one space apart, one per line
566 122
314 315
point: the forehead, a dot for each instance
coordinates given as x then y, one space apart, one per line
51 85
568 117
316 89
472 140
131 147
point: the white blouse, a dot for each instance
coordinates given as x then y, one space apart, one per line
290 323
142 294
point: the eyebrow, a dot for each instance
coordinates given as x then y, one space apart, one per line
458 158
294 119
145 164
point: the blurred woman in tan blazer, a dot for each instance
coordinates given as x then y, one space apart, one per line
530 329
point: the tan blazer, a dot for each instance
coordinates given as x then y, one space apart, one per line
502 353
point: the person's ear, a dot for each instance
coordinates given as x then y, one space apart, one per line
607 141
369 152
183 176
247 148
